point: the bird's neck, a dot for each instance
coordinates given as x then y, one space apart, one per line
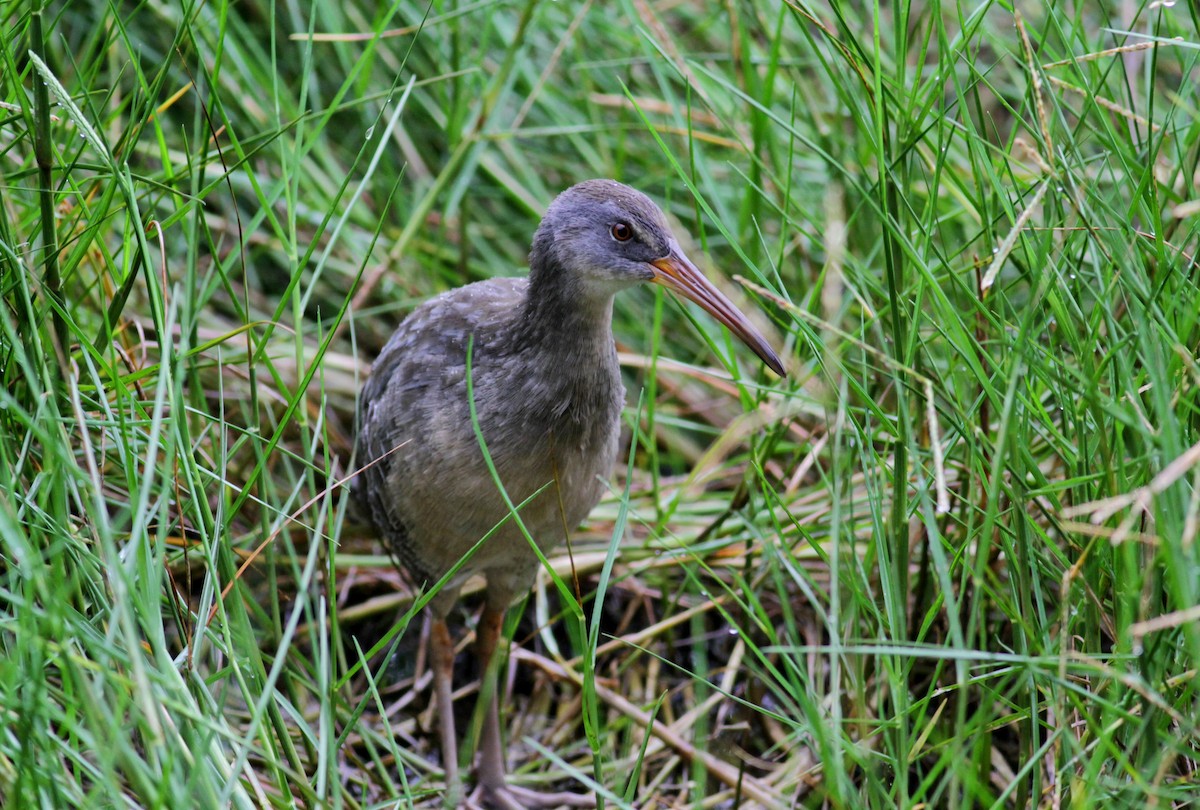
574 368
567 324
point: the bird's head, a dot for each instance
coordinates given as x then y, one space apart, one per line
601 236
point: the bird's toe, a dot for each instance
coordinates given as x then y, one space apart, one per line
513 797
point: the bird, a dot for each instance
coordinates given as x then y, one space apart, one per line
504 396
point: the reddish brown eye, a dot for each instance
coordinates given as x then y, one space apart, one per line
622 232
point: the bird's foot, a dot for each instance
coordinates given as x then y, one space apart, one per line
513 797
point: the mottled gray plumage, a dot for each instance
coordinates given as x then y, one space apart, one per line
548 399
544 401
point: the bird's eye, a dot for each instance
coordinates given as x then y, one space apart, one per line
622 232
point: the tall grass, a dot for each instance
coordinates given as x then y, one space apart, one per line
950 561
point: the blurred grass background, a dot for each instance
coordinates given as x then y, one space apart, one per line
950 561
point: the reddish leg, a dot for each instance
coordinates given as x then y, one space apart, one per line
491 769
442 655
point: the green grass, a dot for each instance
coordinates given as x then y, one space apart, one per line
950 561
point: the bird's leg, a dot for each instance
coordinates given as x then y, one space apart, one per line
492 770
442 649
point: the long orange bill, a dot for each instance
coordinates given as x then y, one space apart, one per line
677 273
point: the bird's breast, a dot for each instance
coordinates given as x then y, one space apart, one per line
560 433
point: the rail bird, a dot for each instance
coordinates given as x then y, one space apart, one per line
522 372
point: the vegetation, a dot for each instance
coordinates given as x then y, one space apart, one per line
951 560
